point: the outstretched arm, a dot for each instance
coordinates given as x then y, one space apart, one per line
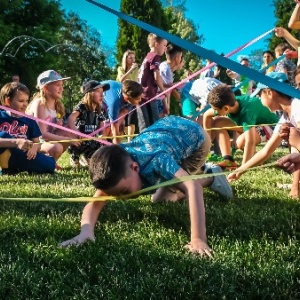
294 22
282 32
258 158
194 193
89 218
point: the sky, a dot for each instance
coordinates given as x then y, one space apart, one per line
224 24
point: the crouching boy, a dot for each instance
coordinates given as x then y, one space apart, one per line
171 148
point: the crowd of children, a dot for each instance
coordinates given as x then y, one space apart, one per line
167 147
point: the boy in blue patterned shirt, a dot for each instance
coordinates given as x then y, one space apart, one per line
171 148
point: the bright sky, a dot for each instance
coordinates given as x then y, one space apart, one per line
225 24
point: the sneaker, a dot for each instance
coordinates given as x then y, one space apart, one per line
284 186
74 162
284 144
228 164
83 161
220 183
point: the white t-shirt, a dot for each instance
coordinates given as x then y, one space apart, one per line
201 88
166 73
295 116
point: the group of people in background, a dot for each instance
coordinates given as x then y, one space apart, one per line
168 146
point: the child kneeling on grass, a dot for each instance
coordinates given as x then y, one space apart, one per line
228 110
287 128
171 148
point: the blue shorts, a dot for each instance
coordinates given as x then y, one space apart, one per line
18 161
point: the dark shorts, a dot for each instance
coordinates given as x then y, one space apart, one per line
18 161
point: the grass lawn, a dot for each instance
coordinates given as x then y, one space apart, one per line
139 250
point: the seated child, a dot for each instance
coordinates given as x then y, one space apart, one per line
228 110
286 127
86 118
47 105
17 135
171 148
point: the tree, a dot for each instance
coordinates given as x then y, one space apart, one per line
38 36
187 30
283 11
133 37
256 58
40 19
81 56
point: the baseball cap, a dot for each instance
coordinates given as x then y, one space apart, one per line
94 84
275 75
47 77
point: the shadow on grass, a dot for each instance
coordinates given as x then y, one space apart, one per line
141 264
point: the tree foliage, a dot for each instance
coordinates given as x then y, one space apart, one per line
38 35
283 10
131 36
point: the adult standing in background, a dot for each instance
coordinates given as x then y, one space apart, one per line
129 68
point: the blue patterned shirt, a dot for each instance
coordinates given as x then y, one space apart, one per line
161 148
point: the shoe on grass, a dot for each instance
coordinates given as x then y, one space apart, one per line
284 186
220 183
228 164
83 161
74 162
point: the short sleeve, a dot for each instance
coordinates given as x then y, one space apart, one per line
80 108
121 72
165 166
155 62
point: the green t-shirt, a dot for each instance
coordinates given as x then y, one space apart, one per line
252 112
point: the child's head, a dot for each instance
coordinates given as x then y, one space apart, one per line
270 97
114 172
157 44
132 91
128 59
221 98
279 50
268 57
93 94
174 53
50 85
245 62
15 95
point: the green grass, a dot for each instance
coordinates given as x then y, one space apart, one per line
139 250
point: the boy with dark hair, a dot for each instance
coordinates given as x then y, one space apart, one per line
167 68
171 148
118 101
228 110
287 128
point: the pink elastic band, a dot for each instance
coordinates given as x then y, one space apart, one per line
52 124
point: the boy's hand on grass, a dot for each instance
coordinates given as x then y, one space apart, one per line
79 239
197 246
